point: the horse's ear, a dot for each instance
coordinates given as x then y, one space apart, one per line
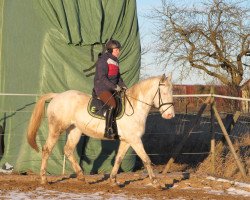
163 78
169 77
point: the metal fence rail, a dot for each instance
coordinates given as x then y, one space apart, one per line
162 133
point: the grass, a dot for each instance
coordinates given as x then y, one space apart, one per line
225 164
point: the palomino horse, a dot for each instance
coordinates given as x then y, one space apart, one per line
67 111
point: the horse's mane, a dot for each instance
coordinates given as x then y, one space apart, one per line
143 85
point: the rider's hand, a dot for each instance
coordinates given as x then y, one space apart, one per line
118 88
124 88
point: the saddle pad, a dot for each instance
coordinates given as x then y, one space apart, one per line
97 109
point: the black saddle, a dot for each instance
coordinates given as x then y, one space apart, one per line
97 108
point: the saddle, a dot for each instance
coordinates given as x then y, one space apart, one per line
97 109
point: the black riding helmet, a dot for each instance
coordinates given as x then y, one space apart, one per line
112 44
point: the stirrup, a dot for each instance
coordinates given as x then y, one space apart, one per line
110 134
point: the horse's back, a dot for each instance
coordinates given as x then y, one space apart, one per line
68 102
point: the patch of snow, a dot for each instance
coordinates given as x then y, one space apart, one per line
224 180
40 193
239 184
234 191
174 186
5 171
216 192
211 178
6 168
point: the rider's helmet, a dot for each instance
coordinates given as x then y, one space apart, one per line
112 44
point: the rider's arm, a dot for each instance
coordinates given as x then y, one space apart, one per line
102 67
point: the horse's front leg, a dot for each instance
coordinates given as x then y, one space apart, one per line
139 149
123 148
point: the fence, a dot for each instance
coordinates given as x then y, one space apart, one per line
176 152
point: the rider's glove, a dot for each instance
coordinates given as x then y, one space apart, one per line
124 88
118 88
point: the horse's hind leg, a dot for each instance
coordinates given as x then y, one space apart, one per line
73 138
139 149
46 150
123 148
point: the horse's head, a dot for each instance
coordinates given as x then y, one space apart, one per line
163 99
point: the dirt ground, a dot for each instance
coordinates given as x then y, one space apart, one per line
134 185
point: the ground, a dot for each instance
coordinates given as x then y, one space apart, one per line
134 185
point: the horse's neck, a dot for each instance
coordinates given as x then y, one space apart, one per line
142 95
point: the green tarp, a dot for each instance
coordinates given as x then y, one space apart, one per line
52 46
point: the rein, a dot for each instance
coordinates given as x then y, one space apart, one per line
151 105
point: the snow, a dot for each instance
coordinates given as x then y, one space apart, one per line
236 189
239 184
41 194
231 190
6 168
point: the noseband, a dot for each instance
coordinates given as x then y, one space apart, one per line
160 100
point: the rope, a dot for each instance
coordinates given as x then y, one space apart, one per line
128 154
175 95
16 94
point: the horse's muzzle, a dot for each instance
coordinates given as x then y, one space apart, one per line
168 115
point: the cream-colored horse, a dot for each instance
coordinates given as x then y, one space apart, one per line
67 111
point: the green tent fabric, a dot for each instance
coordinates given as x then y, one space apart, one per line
52 46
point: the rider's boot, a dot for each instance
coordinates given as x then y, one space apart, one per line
114 125
109 131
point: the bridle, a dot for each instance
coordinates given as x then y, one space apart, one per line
161 103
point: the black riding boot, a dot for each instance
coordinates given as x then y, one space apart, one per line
114 125
109 131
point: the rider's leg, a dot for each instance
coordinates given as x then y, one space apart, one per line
108 98
109 132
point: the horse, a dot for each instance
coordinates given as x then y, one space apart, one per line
67 112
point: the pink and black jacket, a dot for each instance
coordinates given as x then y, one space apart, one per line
107 74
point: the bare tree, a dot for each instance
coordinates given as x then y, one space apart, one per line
213 38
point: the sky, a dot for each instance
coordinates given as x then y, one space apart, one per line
149 67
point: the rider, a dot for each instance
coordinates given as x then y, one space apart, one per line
107 81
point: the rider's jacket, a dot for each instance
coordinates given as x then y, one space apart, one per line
107 74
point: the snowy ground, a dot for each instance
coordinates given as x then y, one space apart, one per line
28 187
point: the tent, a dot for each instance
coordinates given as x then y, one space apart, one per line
52 46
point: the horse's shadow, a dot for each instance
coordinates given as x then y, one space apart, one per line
185 176
105 177
121 185
60 180
107 148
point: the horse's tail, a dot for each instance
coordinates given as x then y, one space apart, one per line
36 118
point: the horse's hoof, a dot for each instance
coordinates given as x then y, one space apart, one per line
115 185
81 178
157 185
44 182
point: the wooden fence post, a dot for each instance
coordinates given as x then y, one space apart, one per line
224 131
186 136
212 120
